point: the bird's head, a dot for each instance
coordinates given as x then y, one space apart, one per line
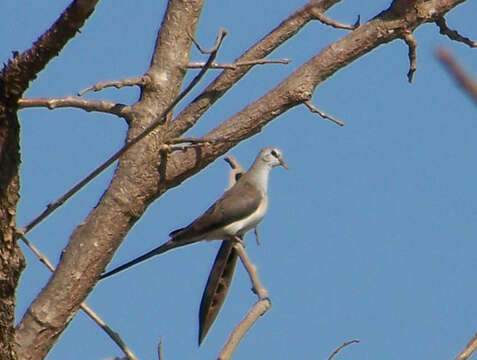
272 156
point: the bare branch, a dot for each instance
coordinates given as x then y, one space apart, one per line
197 65
23 68
453 34
412 44
346 343
327 21
60 201
183 145
120 110
257 287
130 81
160 355
222 83
324 115
257 310
93 316
215 47
462 79
468 350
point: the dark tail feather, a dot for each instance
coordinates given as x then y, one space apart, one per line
171 244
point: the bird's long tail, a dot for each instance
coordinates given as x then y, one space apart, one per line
171 244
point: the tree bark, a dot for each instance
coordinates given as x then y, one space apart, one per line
14 80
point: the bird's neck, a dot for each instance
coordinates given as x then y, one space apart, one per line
258 174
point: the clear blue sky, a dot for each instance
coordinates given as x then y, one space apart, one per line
371 234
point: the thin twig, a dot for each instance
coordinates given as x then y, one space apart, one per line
453 34
160 355
236 171
197 65
324 115
463 79
333 23
257 287
346 343
130 81
111 333
118 109
185 143
257 310
468 350
412 45
57 203
215 47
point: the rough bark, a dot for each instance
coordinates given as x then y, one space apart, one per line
14 80
132 189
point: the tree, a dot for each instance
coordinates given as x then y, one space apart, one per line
148 169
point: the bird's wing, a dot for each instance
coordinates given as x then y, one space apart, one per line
237 203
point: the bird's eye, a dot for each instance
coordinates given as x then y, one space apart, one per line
274 153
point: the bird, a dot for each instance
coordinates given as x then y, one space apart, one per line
238 210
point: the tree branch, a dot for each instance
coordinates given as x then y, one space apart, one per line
462 79
339 348
196 65
90 246
257 310
130 81
61 200
324 115
299 86
88 311
93 242
468 350
412 45
24 67
14 80
338 25
453 34
108 107
222 83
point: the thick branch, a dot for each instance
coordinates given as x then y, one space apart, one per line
91 245
24 67
120 110
131 191
14 80
88 311
299 86
221 84
148 130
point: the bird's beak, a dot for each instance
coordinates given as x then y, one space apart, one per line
283 163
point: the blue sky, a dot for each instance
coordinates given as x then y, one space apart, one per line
370 234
